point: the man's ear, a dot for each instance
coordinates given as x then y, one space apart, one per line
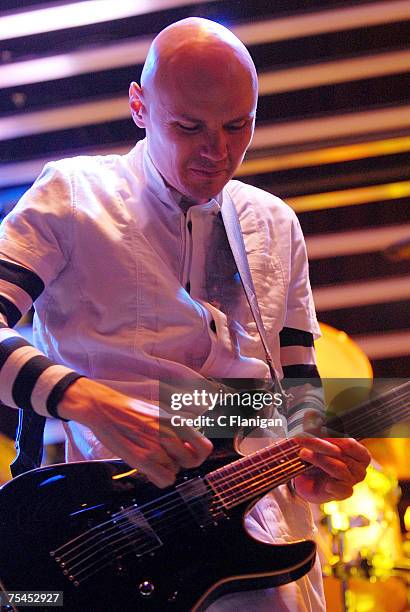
136 104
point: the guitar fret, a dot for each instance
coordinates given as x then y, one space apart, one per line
262 470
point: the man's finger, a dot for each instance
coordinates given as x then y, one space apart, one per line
320 445
354 449
331 465
345 469
169 449
180 452
199 446
161 477
160 469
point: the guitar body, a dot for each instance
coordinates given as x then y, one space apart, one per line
159 558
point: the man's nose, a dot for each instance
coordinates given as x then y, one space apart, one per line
215 147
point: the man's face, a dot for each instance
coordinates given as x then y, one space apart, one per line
199 121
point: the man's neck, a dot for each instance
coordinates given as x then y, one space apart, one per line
186 203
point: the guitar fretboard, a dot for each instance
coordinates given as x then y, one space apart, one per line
269 467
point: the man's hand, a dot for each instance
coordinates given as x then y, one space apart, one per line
135 431
339 463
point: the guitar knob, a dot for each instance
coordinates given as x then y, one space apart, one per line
146 588
173 597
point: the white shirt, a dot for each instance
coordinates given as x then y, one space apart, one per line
116 253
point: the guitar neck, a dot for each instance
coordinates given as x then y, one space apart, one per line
371 417
269 467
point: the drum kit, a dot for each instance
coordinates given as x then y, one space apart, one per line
359 539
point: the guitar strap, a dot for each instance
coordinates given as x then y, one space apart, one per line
29 442
235 238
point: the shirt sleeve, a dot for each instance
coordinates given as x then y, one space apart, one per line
37 233
297 353
300 309
34 248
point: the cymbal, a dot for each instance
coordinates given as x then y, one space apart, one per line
392 454
343 367
338 356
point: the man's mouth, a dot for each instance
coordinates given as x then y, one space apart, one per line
209 172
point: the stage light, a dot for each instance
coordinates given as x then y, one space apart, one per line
78 14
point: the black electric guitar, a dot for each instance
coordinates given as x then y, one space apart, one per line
110 540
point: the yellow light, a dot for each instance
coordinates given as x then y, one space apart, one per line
407 518
369 522
334 559
379 482
330 507
398 190
339 520
382 561
365 603
124 474
329 155
350 197
7 454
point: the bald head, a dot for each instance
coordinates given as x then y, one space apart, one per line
207 47
197 104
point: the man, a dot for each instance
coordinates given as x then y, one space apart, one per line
134 282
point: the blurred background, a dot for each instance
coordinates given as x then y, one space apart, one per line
332 139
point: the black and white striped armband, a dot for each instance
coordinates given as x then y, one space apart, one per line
304 398
301 379
28 379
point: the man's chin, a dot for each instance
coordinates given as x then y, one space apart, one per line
204 193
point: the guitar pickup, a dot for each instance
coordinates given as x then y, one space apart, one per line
200 501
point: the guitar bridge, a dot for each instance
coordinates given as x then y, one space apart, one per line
127 531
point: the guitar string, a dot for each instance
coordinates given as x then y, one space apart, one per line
246 469
100 563
225 500
375 425
131 511
127 544
378 424
236 485
109 554
375 422
357 416
175 494
225 492
368 428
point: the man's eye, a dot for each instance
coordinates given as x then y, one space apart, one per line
187 127
237 126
